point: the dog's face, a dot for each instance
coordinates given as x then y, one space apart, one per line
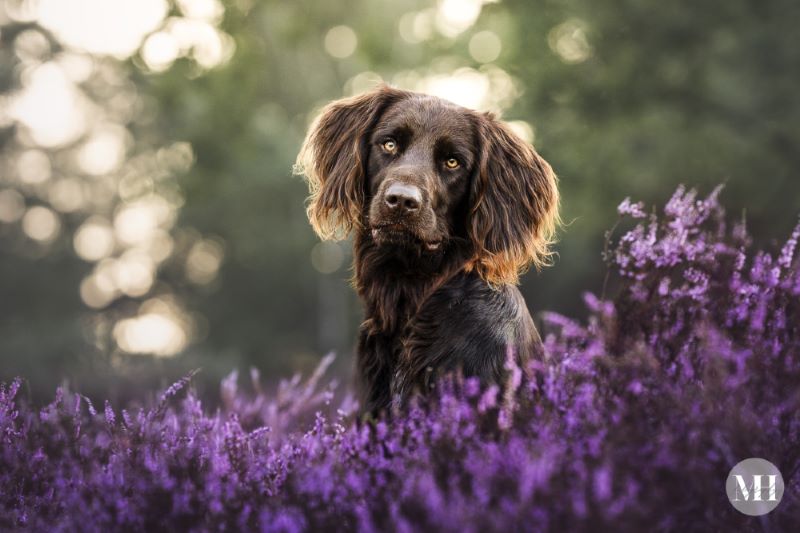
414 173
421 156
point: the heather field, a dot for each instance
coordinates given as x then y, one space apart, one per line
688 364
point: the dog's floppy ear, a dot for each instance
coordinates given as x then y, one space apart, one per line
333 163
514 205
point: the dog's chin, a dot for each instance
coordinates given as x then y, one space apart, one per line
397 236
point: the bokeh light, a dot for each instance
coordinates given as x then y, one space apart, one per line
204 260
94 240
341 42
41 224
97 291
12 206
208 10
523 129
104 150
455 16
78 67
67 195
361 82
136 222
33 167
199 39
160 50
104 27
159 329
485 46
487 89
31 46
50 106
327 257
133 273
569 41
416 27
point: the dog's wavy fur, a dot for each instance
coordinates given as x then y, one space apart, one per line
512 216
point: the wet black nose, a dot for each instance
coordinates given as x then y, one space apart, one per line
402 197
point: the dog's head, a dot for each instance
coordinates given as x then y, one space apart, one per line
415 173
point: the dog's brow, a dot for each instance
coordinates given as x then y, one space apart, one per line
457 142
392 127
450 145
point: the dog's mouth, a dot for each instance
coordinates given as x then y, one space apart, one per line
399 235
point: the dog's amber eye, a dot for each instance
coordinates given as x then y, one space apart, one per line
389 146
451 163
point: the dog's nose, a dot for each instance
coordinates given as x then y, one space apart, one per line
402 197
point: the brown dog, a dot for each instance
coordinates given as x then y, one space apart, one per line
447 207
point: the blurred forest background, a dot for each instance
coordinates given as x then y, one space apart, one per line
149 219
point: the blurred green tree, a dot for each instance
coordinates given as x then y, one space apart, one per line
147 204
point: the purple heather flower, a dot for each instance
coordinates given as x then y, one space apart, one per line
631 419
635 210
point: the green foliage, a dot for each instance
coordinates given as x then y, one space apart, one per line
628 99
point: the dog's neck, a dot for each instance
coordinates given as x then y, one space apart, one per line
393 283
